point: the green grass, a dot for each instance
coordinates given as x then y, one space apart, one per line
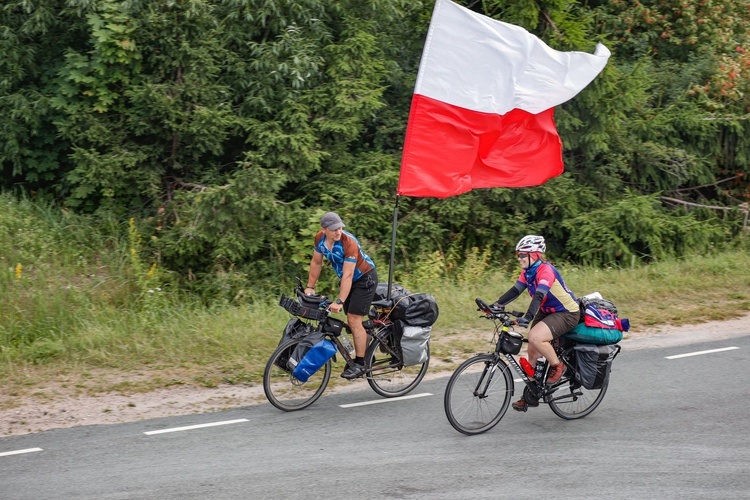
191 343
77 307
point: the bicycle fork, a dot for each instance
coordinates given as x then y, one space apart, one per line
483 384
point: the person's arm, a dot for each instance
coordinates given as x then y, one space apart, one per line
346 285
545 277
511 294
316 264
536 303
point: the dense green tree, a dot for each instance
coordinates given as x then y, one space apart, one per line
228 126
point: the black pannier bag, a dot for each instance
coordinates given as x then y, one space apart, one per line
418 309
414 309
593 363
294 328
397 292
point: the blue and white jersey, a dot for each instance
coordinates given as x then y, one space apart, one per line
347 249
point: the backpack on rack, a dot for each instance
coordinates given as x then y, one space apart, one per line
599 323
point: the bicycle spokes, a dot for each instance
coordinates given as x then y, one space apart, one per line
485 381
478 394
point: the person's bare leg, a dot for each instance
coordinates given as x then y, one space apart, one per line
359 333
539 343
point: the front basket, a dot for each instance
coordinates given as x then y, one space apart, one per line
294 308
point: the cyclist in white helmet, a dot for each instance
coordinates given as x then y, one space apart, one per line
553 310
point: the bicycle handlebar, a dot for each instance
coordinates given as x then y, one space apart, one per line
325 303
496 312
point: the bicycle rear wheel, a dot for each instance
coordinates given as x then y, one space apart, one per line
286 392
478 394
570 400
388 376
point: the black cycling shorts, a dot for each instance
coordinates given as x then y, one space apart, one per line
360 296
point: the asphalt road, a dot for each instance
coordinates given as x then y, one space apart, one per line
667 428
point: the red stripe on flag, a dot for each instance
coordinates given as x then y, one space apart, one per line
450 150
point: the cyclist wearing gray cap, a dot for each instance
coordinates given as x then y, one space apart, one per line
358 281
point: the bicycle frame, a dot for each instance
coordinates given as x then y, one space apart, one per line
378 327
385 370
480 390
540 389
546 392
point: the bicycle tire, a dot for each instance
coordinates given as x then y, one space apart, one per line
286 392
386 374
570 400
476 398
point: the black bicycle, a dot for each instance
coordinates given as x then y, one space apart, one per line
481 389
385 370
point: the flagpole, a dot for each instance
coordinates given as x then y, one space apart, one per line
393 248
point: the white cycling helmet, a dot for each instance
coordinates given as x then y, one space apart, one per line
531 243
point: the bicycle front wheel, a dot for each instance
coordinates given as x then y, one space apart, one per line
478 394
387 375
283 389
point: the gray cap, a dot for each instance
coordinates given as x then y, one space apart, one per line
331 221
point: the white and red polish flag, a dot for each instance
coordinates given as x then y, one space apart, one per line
482 111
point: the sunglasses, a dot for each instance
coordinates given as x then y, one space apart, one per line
523 256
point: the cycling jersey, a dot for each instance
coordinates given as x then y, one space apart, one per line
347 249
558 298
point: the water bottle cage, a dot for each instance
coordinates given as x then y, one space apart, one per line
539 370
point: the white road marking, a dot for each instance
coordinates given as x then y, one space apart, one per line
698 353
18 452
199 426
386 400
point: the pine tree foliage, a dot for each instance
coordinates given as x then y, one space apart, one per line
227 127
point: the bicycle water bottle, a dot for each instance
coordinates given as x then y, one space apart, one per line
539 370
347 345
527 368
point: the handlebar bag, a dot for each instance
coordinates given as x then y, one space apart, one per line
310 301
510 342
315 358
